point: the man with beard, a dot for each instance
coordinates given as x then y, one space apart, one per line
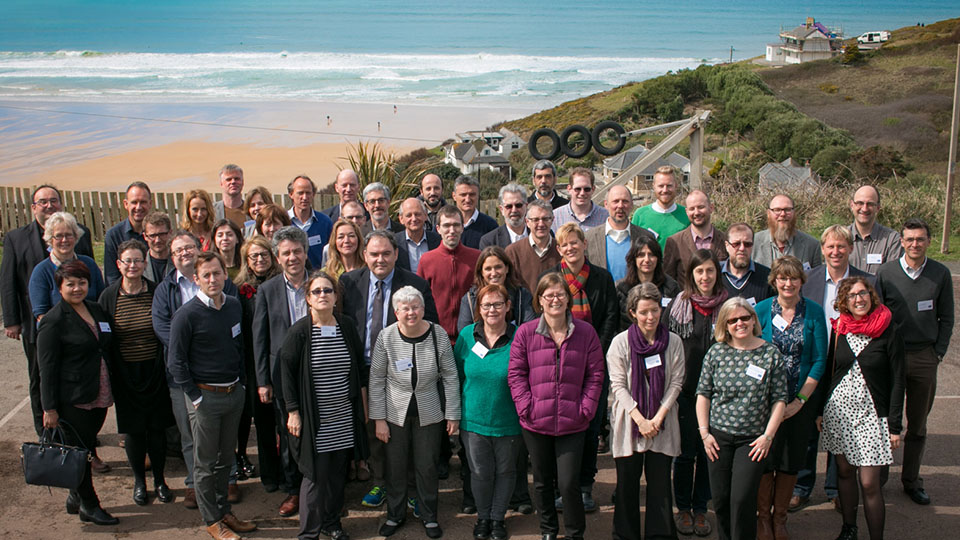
607 246
580 209
545 181
664 216
513 206
742 276
431 193
873 244
782 237
701 234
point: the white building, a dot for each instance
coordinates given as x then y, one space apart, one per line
807 42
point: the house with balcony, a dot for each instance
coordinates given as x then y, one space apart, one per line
807 42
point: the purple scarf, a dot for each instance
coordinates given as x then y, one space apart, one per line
648 401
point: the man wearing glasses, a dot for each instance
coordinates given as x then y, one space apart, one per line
137 204
376 198
664 217
535 254
873 244
580 209
156 231
782 237
742 276
512 201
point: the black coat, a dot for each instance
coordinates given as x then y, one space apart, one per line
299 394
69 354
668 289
604 307
403 256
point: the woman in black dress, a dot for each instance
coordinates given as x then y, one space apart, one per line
645 263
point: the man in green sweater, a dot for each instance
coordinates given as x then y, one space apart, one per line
664 216
919 292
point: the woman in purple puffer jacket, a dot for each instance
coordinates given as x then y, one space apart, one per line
555 377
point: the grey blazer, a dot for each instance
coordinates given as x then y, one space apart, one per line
497 237
271 321
390 389
816 284
597 243
803 246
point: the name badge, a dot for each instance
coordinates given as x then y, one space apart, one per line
780 323
315 240
404 364
235 330
874 258
755 372
328 331
479 350
665 301
806 266
752 301
652 361
923 305
104 327
655 235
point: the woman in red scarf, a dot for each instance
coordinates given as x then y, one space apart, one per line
861 419
693 316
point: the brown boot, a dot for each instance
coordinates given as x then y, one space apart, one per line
190 499
219 531
764 502
233 494
782 492
236 525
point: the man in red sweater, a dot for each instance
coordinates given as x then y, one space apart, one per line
449 268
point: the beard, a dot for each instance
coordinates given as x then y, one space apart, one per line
739 264
781 232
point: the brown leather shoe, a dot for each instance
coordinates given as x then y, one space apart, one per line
233 494
99 466
221 532
684 520
290 506
190 499
237 525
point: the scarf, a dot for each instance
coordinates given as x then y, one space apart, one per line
580 308
872 325
648 400
681 312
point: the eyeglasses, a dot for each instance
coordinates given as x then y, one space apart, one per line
552 297
258 255
352 218
131 262
860 294
781 210
492 305
584 189
915 240
64 236
512 206
380 200
183 250
156 236
547 219
409 309
321 290
868 204
737 245
734 320
46 202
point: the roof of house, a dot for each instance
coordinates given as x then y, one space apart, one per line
493 159
628 157
786 173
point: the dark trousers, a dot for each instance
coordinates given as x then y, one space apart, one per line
691 481
268 455
33 372
921 388
86 424
591 441
734 481
493 468
321 501
626 513
807 477
290 477
521 493
214 423
466 479
557 460
423 443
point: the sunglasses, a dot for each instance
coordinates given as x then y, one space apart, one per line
734 320
322 290
744 243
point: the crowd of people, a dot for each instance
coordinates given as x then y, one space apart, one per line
712 364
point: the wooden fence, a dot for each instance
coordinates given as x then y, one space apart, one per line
100 210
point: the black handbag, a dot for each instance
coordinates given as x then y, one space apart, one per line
54 464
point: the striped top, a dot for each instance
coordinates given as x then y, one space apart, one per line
330 376
133 327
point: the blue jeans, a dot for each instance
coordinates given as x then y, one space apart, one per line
691 481
807 476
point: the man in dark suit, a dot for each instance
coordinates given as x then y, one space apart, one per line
607 246
466 194
701 234
367 293
415 240
545 182
512 201
376 199
281 301
24 248
347 186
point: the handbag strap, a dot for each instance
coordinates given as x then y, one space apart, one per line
60 431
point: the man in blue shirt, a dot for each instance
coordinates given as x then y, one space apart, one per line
137 204
316 224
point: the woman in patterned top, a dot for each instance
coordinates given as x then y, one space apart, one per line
861 420
740 402
797 326
139 375
320 363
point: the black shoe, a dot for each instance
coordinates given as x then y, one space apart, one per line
73 503
468 509
270 488
140 494
918 495
523 508
336 534
241 473
481 531
164 494
848 532
498 530
433 532
387 529
97 516
243 464
443 471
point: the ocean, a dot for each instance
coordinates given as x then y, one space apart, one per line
533 53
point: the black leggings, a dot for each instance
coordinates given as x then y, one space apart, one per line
243 434
869 480
138 445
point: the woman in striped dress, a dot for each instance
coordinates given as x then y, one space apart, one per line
320 364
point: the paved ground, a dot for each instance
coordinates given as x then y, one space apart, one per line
35 512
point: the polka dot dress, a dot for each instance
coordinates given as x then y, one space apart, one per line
850 423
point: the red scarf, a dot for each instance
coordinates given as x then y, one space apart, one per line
580 307
874 324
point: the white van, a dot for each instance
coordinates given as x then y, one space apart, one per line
873 37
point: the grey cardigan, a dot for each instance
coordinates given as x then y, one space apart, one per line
390 389
802 246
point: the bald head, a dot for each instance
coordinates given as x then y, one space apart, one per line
619 204
699 210
347 185
431 190
865 206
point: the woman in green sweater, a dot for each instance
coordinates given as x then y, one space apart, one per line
489 424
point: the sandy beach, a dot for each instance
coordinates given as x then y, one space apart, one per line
173 147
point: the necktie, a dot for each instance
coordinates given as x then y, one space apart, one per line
376 323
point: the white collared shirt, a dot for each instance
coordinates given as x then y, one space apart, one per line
476 214
536 249
830 297
618 235
296 299
656 207
911 273
302 224
188 288
209 302
514 236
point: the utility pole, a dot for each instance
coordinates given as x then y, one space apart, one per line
952 163
731 54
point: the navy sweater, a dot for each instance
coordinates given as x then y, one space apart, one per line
206 345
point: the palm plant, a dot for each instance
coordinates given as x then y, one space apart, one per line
374 164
